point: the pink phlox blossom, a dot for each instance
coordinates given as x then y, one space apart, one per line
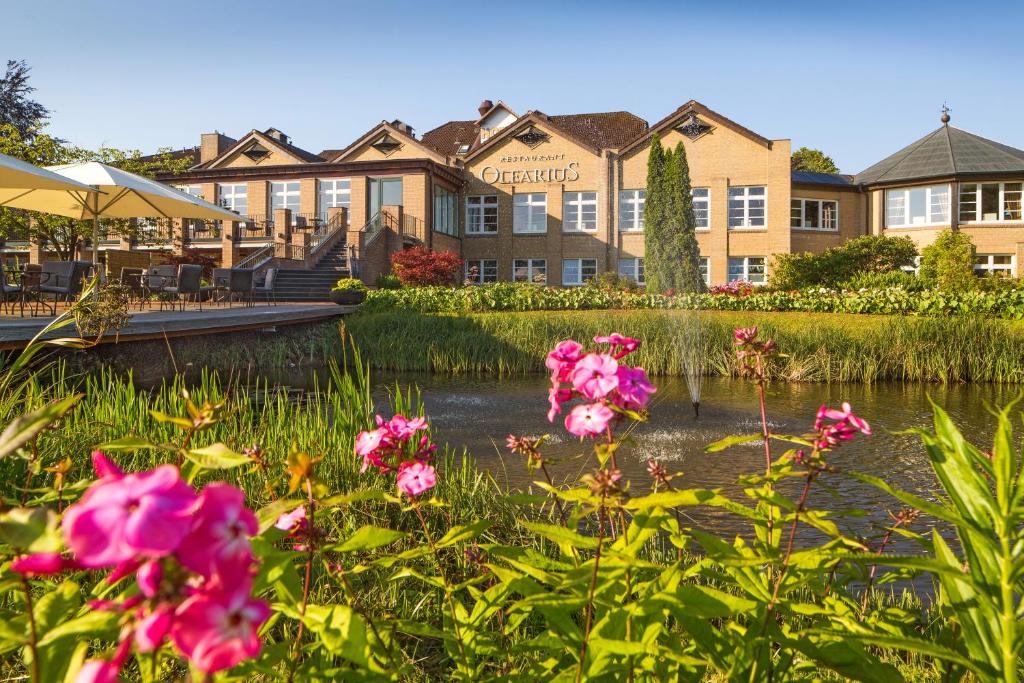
218 627
634 388
589 419
620 344
562 359
42 564
219 542
416 477
595 375
290 520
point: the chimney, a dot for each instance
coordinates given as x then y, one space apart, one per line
212 145
277 135
485 107
403 126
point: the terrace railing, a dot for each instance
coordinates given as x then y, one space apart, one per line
255 228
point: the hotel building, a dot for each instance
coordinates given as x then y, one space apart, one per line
558 199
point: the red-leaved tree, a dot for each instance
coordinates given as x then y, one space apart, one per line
417 266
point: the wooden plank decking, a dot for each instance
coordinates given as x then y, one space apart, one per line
15 332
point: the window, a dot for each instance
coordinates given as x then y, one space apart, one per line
579 211
633 268
235 197
284 196
481 270
701 207
746 207
193 190
1001 265
530 212
631 210
990 202
576 271
193 224
705 270
912 206
533 270
914 269
748 268
482 215
814 214
332 194
446 205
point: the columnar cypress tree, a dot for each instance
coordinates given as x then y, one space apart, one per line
682 250
654 216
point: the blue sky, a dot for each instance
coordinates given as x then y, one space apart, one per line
856 79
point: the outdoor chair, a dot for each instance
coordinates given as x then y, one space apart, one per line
240 284
132 279
158 280
188 283
266 288
62 279
10 292
221 284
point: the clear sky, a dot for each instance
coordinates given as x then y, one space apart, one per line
856 79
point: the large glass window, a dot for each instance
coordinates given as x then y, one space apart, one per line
631 210
747 268
633 268
579 211
235 197
746 207
445 211
333 194
530 212
481 271
705 270
482 215
576 271
284 196
814 214
701 207
913 206
990 202
994 264
533 270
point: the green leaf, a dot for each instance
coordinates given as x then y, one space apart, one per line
128 443
30 530
182 422
50 609
23 428
90 624
366 538
733 440
217 457
340 629
671 499
269 514
464 532
561 535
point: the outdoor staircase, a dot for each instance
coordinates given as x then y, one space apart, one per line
315 284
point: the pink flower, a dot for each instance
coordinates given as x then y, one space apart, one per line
219 542
745 335
561 360
416 477
556 397
595 375
369 445
104 466
42 564
290 520
634 387
152 629
218 628
588 419
98 671
149 576
624 345
402 428
844 427
138 514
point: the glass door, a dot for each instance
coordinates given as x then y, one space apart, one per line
384 192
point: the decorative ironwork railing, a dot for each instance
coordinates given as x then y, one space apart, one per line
255 228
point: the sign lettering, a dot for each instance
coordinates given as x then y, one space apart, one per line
496 176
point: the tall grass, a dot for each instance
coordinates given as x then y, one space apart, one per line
819 347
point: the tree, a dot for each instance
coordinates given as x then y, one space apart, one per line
16 108
672 255
948 263
836 265
807 159
419 267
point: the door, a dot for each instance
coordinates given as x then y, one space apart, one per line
384 192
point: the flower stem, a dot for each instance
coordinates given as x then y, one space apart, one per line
310 543
32 636
593 587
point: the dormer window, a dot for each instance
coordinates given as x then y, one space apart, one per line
463 149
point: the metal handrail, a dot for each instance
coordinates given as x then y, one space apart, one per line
266 253
324 232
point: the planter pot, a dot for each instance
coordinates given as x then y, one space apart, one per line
347 297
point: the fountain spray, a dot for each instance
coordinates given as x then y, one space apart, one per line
693 353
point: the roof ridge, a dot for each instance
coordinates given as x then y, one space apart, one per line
949 146
906 152
998 146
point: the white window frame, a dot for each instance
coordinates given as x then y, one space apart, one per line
476 214
635 271
284 191
536 206
746 197
534 267
228 196
636 201
579 271
705 265
800 223
990 267
745 276
487 270
706 200
977 220
332 193
576 200
903 193
446 209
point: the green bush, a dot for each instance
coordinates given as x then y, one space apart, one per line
948 263
348 284
867 254
613 281
388 281
889 279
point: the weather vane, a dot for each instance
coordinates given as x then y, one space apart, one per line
945 113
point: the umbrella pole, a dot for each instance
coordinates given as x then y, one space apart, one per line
95 239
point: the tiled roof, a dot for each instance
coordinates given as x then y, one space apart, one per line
448 137
812 178
946 151
190 153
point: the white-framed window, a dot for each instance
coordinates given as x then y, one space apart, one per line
990 202
194 190
1002 265
633 268
908 207
705 270
285 196
446 205
234 197
748 268
579 211
333 193
533 270
530 212
631 210
701 207
814 214
914 269
576 271
480 271
747 206
482 215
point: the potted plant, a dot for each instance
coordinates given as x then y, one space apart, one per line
348 291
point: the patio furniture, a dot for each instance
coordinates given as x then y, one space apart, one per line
188 284
266 288
132 279
31 274
62 280
157 280
10 291
240 284
221 284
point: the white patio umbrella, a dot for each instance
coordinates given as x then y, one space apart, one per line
19 178
121 195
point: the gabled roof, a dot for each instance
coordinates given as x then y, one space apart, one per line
449 137
814 178
692 107
499 105
190 153
263 137
386 128
946 151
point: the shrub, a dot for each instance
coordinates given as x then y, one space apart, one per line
348 284
418 266
388 281
948 263
613 282
886 280
191 256
870 253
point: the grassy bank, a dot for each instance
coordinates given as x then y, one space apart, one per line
819 347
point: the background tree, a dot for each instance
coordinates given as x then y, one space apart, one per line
16 107
654 216
948 262
672 256
807 159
